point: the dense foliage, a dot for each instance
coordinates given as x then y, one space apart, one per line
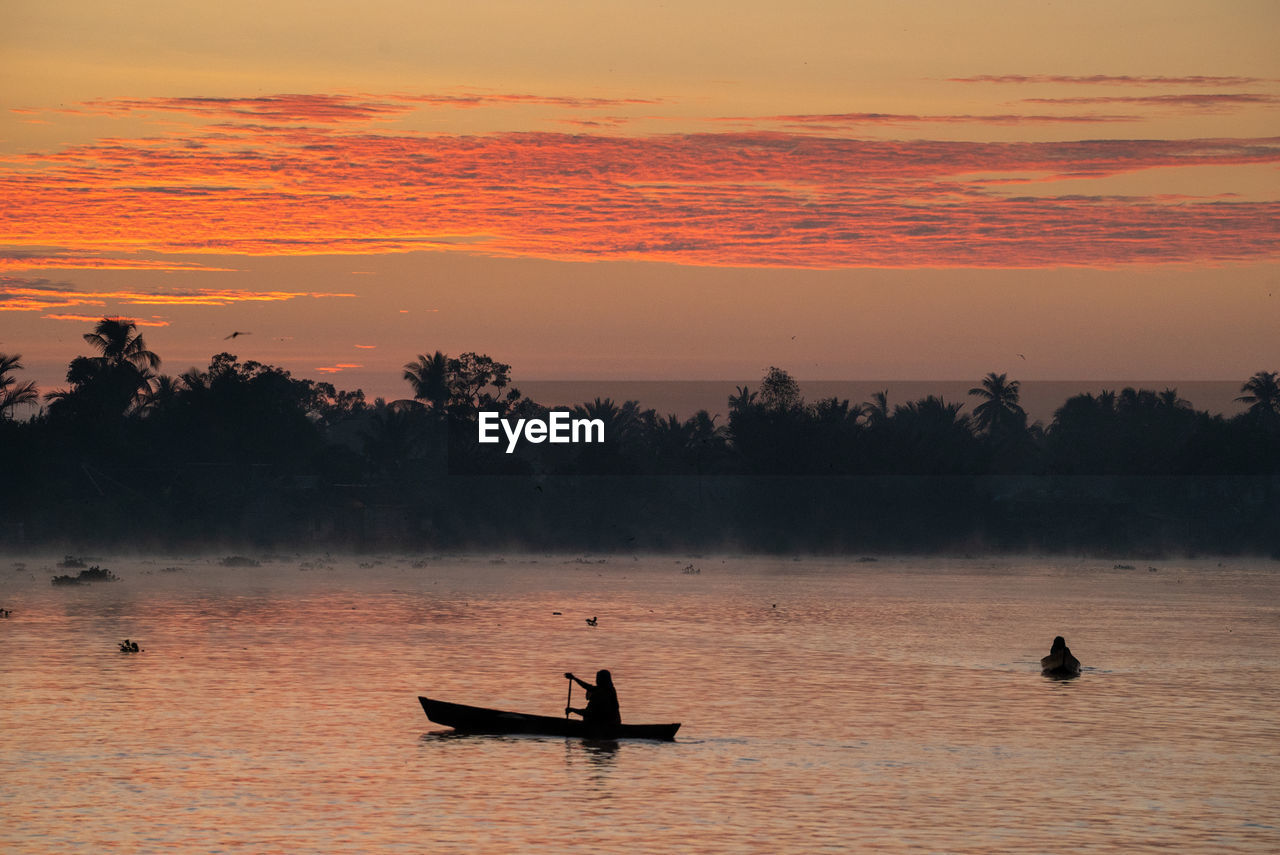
246 453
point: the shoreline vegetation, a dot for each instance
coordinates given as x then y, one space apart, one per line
244 453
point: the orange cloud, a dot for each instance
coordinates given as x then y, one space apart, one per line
23 260
95 318
730 199
341 366
36 295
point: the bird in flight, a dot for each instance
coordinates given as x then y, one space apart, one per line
236 333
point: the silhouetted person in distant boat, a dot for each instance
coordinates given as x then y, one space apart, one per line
602 701
1060 662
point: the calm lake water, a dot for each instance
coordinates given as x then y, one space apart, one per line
827 705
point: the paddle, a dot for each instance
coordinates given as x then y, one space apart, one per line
569 697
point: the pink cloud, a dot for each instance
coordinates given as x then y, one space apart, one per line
274 108
1113 79
488 99
840 120
329 108
1195 101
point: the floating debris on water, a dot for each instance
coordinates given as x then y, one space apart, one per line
239 561
93 574
690 570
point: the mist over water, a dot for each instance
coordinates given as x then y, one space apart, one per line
827 705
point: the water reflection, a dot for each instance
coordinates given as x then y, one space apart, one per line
598 751
449 736
268 714
597 758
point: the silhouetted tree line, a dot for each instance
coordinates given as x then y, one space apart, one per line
242 452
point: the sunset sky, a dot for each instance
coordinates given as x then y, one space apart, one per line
916 190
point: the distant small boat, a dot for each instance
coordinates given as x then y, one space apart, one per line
467 719
1060 665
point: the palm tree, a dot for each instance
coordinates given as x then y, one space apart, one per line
396 435
672 437
124 358
704 426
932 412
1263 394
1169 399
115 339
621 423
163 394
429 377
877 409
836 412
742 399
13 393
932 437
684 446
705 434
112 384
999 409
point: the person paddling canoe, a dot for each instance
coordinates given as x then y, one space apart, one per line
1060 662
602 701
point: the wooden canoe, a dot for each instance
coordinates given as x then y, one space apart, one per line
467 719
